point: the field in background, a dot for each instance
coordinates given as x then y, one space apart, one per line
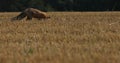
67 37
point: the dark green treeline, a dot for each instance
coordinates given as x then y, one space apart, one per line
60 5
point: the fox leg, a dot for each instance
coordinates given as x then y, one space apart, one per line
29 16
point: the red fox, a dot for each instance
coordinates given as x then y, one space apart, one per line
31 13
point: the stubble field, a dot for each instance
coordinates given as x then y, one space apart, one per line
67 37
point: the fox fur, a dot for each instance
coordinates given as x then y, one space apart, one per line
31 13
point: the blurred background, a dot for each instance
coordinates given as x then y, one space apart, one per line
60 5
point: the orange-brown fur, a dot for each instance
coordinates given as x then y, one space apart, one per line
31 13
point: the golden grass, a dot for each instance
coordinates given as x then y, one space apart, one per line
67 37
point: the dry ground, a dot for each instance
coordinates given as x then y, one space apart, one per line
67 37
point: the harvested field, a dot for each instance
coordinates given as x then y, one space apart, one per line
67 37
